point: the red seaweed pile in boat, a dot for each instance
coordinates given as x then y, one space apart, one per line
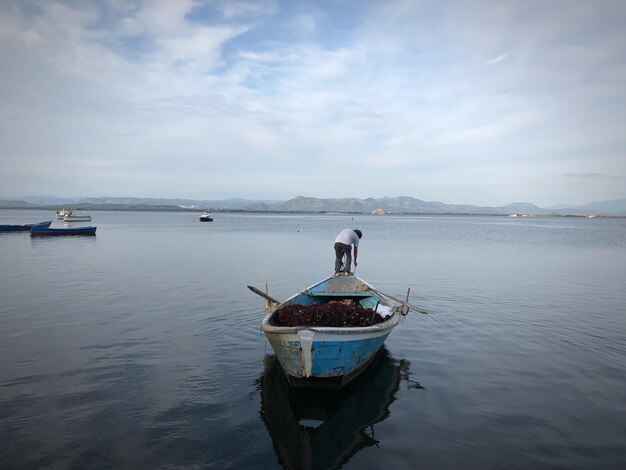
344 313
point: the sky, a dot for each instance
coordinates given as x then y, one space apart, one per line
463 102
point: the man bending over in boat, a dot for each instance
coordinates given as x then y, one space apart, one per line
343 247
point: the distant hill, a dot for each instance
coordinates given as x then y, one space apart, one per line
613 207
617 207
410 205
128 202
48 200
224 204
398 205
10 204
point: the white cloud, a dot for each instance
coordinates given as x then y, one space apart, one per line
235 9
497 60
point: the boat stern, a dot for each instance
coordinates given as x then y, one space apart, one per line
326 357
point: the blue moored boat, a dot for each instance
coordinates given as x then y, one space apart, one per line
24 228
54 232
329 356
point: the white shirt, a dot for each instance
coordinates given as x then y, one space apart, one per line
348 237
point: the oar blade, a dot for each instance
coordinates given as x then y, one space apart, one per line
263 294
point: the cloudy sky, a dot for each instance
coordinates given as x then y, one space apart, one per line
480 102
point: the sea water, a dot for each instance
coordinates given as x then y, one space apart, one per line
141 347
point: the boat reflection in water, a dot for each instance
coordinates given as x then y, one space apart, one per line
323 429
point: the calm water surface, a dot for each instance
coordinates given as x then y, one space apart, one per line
141 347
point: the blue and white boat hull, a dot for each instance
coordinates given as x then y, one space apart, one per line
328 357
321 357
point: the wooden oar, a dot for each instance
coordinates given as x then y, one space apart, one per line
263 294
399 300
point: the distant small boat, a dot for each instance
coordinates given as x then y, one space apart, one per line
62 213
23 228
206 216
76 216
54 232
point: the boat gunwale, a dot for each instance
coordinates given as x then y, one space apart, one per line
63 229
89 230
339 330
24 227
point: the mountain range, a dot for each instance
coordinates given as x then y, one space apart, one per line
391 205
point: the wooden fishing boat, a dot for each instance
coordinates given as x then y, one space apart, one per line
330 356
24 228
55 232
206 216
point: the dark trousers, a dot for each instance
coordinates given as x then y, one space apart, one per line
341 250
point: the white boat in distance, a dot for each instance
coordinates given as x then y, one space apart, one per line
62 213
76 216
206 216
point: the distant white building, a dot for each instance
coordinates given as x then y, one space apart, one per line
378 212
